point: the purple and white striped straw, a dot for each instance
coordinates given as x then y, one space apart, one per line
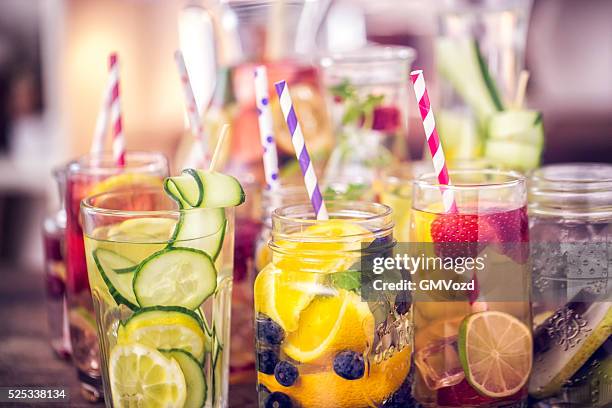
297 138
266 128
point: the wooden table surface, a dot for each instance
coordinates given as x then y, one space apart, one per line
26 359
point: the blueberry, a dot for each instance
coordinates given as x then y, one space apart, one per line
402 302
266 361
285 373
278 400
268 331
262 388
349 365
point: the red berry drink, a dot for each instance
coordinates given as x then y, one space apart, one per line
473 340
90 175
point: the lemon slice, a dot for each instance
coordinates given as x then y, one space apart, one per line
283 291
495 350
166 327
330 324
148 228
282 296
125 180
141 376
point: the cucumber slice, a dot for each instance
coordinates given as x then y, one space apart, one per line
517 156
175 277
202 229
206 189
189 188
112 260
220 190
119 284
521 126
194 377
167 327
460 62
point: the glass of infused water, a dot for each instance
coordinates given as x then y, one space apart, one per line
473 340
571 231
318 342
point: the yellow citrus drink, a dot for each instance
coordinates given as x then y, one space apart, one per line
318 343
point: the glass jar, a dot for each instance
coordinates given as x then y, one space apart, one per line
479 55
315 334
367 96
571 231
480 324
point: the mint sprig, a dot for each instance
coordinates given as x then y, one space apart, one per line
356 106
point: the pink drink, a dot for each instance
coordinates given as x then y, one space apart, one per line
86 176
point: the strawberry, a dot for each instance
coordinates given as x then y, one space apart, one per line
510 230
458 235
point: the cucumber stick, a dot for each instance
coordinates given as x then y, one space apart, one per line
205 189
194 377
119 283
513 155
175 277
461 63
201 228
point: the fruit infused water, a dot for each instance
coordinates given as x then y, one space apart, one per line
160 269
318 344
89 175
571 231
473 340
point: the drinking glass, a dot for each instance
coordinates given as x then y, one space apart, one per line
571 231
473 339
162 305
319 344
85 176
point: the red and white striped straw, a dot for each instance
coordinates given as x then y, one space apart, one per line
99 138
433 140
297 138
266 128
115 110
199 151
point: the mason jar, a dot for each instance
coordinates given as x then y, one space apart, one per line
571 234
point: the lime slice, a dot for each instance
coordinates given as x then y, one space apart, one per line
166 328
495 350
141 376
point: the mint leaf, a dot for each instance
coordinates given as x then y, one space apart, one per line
538 119
348 280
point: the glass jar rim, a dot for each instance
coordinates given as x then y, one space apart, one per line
550 174
103 163
88 204
512 179
301 216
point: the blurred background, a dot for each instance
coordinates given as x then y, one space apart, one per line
53 67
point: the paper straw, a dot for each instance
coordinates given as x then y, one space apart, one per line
266 128
99 138
217 153
193 113
297 138
433 140
115 111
